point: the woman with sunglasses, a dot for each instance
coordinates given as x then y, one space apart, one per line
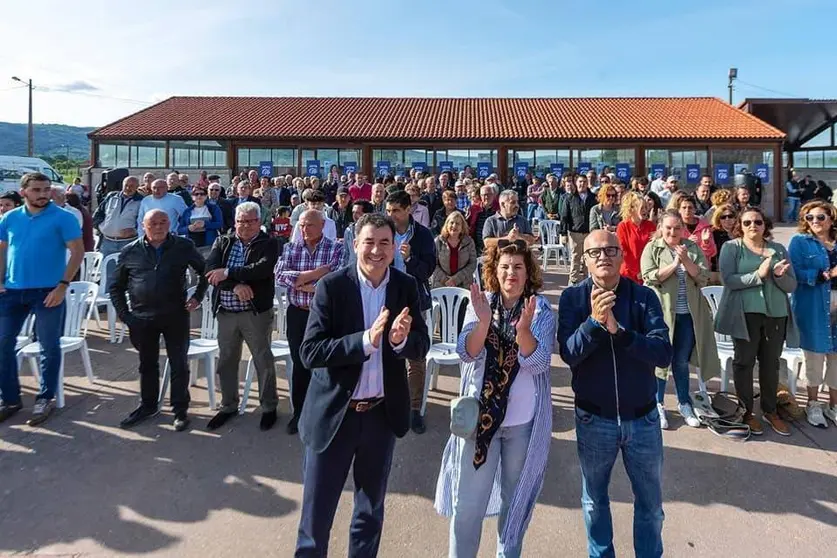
814 257
505 345
605 214
723 225
201 221
634 232
755 311
675 268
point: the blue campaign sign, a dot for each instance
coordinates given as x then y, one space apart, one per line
557 169
623 171
762 170
383 168
445 166
349 167
312 168
420 166
520 169
722 174
584 168
692 174
483 170
658 170
266 168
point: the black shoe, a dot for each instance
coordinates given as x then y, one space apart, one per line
181 422
417 422
220 419
41 411
138 415
268 420
292 427
8 411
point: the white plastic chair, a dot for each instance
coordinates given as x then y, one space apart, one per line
205 347
107 266
79 295
279 348
25 336
450 301
551 245
90 268
726 351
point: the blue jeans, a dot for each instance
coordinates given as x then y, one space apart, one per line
683 344
15 307
507 450
641 442
794 204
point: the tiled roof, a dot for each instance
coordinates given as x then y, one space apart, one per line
436 119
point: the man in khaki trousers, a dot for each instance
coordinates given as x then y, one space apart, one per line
575 222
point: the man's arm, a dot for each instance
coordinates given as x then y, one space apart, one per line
260 269
99 215
119 288
197 263
4 247
319 348
652 343
577 337
417 342
422 263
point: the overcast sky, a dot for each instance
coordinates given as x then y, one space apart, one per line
96 61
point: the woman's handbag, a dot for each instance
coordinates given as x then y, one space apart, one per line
464 416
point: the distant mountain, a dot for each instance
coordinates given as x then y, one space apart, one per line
50 140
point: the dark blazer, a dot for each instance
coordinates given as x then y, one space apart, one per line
333 350
422 261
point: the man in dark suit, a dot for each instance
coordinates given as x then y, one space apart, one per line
364 322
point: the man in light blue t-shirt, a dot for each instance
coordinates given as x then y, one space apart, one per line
34 276
160 198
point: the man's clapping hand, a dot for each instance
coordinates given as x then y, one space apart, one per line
400 327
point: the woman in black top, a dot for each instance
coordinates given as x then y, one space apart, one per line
723 222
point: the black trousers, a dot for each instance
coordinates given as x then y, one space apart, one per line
145 336
367 440
297 320
767 337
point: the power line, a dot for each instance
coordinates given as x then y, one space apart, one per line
85 94
783 93
13 88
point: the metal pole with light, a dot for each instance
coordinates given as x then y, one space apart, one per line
733 75
31 147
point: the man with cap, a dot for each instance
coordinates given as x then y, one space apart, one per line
342 210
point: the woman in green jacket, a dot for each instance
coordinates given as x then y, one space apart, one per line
755 311
676 269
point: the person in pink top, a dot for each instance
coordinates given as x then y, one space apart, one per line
700 230
362 190
533 193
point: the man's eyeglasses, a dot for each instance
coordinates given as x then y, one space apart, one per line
819 217
756 222
505 243
609 251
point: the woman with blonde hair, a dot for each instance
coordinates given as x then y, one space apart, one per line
813 254
495 460
718 198
605 214
456 254
633 232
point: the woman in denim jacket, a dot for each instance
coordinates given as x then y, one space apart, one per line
814 258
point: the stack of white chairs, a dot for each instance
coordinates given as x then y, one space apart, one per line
106 267
551 244
449 300
203 348
79 296
90 268
279 348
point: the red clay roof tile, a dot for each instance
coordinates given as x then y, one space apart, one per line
437 119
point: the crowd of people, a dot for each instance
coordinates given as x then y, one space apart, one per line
357 262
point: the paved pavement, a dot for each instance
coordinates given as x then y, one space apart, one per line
80 486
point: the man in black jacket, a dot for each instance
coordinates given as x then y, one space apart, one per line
417 249
152 271
365 321
240 267
575 222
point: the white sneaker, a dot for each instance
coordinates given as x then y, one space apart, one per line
689 415
663 417
814 414
830 413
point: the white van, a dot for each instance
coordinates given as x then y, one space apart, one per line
9 180
31 164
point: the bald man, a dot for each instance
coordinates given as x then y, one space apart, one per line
303 263
612 335
152 271
160 198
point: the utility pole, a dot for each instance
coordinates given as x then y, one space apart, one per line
31 146
733 75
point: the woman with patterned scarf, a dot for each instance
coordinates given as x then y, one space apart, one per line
505 345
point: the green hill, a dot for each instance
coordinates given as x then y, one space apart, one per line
51 140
